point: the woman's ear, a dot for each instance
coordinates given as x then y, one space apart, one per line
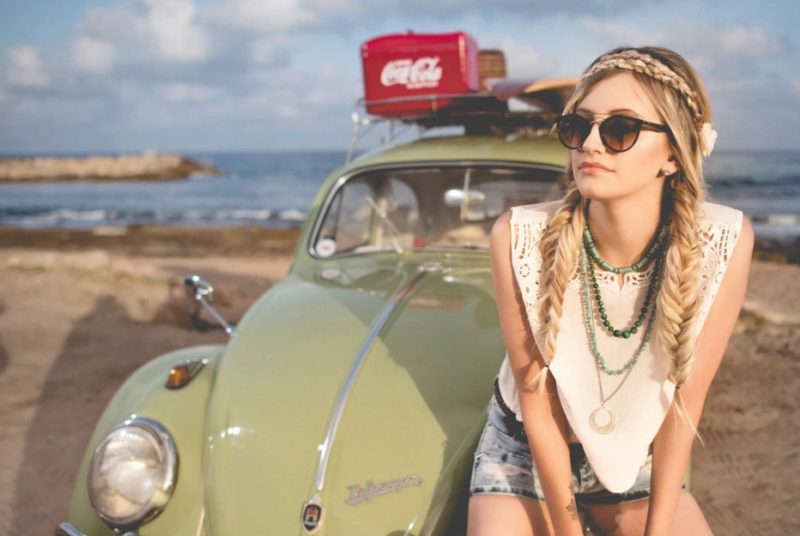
670 167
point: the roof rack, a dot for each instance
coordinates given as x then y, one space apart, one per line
480 113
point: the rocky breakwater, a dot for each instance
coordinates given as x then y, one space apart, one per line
146 166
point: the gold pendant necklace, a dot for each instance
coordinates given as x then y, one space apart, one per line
609 422
603 419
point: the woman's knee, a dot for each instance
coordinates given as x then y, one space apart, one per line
493 514
631 517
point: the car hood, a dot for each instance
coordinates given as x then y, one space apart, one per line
411 415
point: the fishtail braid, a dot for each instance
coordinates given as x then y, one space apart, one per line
678 298
558 248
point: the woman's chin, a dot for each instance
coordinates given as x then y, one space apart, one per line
606 193
592 189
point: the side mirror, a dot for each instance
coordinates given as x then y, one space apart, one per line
198 288
201 291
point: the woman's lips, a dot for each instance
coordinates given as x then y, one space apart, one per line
592 168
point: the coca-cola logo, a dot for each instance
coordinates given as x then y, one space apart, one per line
413 74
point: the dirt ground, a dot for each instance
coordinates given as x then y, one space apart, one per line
79 312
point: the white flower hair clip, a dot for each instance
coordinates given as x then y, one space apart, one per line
708 137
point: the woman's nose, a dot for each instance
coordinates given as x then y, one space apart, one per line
593 141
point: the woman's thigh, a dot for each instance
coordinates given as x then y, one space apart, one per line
495 514
630 517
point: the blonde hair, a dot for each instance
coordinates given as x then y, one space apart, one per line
678 94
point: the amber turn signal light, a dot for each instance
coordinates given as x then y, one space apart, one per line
178 377
182 373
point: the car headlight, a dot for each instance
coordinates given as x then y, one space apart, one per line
133 472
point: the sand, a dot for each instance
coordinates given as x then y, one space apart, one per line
80 311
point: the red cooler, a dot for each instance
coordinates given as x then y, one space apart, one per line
409 65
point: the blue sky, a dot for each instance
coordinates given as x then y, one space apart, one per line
192 75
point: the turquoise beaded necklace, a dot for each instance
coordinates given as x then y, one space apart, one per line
648 256
587 316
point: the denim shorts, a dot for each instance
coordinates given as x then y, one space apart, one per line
503 465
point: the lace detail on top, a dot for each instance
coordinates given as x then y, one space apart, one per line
718 232
526 259
630 280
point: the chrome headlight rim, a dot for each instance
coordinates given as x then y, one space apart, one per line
159 500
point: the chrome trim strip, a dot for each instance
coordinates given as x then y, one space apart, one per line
340 182
67 529
400 296
201 522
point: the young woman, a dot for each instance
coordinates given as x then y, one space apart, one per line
616 304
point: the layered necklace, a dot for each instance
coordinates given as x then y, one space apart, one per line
603 419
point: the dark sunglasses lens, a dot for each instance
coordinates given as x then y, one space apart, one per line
573 130
620 133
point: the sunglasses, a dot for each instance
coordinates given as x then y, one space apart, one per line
617 132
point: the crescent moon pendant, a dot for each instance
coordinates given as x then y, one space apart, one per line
607 424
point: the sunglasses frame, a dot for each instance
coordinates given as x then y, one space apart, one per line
640 123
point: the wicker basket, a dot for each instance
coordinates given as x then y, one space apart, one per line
491 64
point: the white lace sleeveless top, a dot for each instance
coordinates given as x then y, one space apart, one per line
642 401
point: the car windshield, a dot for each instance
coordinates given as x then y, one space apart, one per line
440 207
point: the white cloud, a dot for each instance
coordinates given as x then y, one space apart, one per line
321 96
719 87
264 16
698 37
26 68
752 41
175 34
522 60
329 70
92 55
795 85
269 49
616 33
287 111
181 92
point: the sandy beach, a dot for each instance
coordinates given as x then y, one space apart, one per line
80 311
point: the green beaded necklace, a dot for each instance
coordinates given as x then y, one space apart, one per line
651 252
587 316
624 333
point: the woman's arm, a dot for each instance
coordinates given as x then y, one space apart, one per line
673 443
542 416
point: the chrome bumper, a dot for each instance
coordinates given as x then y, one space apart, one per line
66 529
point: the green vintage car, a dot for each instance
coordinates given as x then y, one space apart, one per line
350 397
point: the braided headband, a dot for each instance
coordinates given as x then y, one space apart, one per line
633 60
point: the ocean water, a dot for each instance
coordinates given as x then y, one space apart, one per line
276 189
